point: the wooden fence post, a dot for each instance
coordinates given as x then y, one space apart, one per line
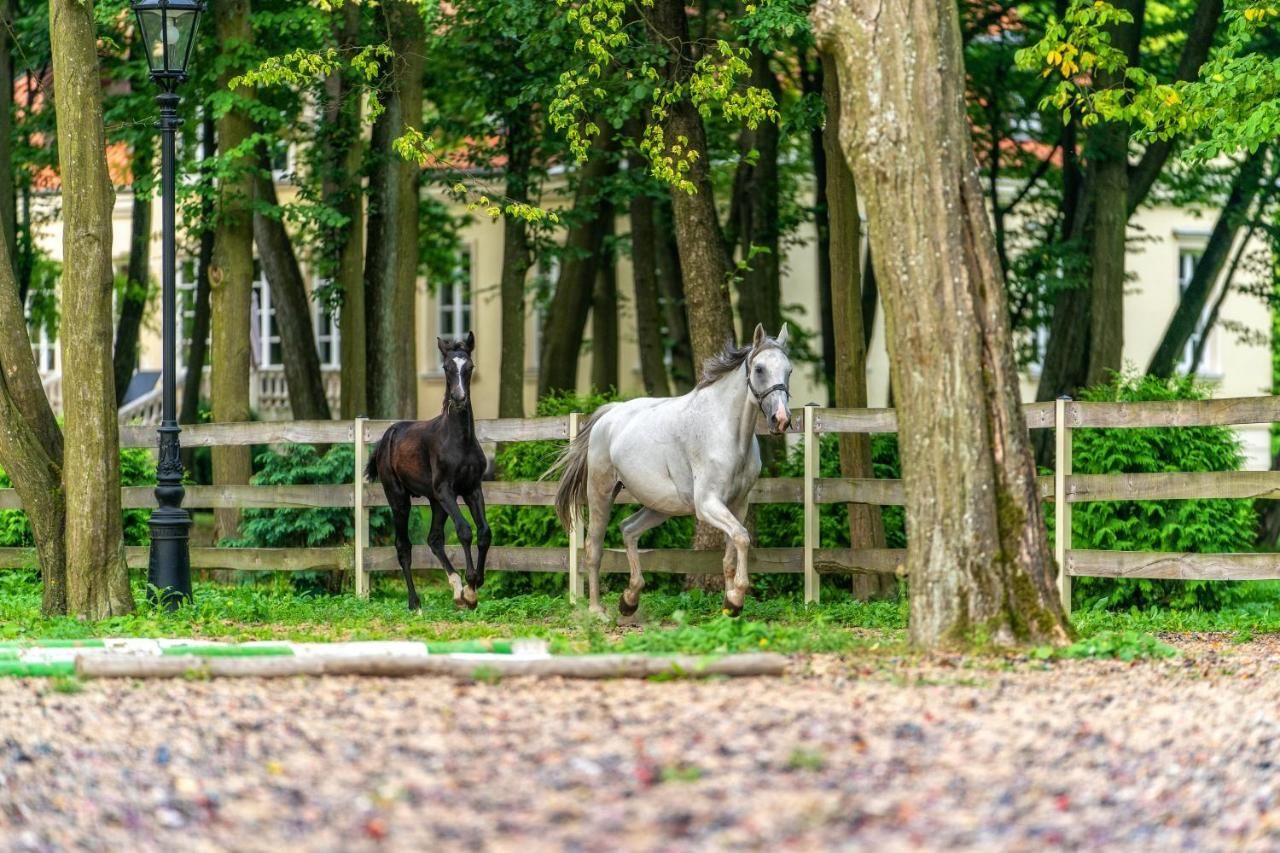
575 530
1061 507
361 517
811 455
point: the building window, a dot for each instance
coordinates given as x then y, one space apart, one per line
1188 260
328 333
44 339
454 300
185 282
544 287
264 334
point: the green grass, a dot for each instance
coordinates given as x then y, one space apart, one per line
692 623
270 609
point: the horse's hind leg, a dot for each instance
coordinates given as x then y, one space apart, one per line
600 491
401 503
632 528
435 541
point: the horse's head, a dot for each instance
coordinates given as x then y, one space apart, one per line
769 377
456 357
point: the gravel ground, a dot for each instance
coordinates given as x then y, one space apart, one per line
842 753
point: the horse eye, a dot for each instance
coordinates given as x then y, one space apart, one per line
759 368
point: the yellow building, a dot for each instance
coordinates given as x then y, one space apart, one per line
1159 265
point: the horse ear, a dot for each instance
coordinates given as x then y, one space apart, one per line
782 336
470 344
759 336
444 348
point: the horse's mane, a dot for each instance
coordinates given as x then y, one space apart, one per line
728 360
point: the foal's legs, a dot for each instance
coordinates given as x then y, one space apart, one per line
401 504
475 503
435 541
711 509
449 502
632 527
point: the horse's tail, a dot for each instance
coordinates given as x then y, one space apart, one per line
371 470
572 462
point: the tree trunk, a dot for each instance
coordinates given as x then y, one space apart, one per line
198 343
391 266
644 274
1191 306
671 291
604 311
977 552
516 260
231 267
866 528
97 575
704 259
292 303
30 442
344 152
759 292
814 84
571 302
134 302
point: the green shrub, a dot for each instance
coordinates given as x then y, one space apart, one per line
317 527
1197 526
137 468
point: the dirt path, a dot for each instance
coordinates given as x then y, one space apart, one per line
876 753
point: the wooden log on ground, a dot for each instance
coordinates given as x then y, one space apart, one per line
590 667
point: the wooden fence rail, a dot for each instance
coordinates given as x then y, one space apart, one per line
1063 489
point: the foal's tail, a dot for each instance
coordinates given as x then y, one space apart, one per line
572 461
371 471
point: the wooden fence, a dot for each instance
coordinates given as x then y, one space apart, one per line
1063 489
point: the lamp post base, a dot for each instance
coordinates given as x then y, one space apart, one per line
169 566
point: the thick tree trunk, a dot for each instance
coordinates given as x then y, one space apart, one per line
30 442
97 575
1208 269
516 260
391 266
604 312
291 302
198 343
344 152
571 303
977 552
231 269
704 259
866 528
671 290
134 302
644 273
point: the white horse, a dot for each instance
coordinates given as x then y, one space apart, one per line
691 455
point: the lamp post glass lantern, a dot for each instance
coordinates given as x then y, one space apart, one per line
168 30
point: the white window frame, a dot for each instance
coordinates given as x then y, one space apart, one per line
455 310
1189 254
549 269
321 317
45 350
263 339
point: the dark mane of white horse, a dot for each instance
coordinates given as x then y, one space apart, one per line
730 359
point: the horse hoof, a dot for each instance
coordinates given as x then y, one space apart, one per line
625 608
415 606
731 609
469 598
599 613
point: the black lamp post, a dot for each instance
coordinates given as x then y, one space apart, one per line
168 29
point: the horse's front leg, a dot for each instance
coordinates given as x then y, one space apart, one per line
449 501
711 509
435 541
475 503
